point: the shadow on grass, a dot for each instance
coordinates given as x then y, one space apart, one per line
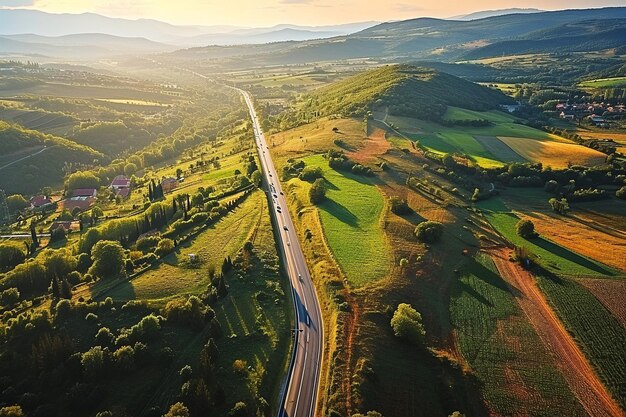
340 212
570 256
117 289
414 218
490 277
466 288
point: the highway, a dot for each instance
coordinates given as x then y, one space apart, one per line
299 396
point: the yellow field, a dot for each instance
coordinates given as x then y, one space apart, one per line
317 137
554 154
133 102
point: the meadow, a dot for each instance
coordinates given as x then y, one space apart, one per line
351 219
175 276
504 350
554 154
605 83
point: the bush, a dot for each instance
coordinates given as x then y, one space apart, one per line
177 410
429 231
407 324
525 228
311 174
104 337
165 247
621 193
108 259
11 255
239 410
317 193
9 297
11 411
399 206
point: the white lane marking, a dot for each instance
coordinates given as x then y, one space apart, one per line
295 410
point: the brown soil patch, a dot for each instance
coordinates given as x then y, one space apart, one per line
611 293
577 371
371 148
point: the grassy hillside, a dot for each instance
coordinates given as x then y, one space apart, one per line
30 159
405 90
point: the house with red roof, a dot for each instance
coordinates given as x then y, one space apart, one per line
39 201
121 181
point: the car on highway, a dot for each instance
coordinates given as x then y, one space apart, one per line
285 227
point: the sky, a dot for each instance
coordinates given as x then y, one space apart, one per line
306 12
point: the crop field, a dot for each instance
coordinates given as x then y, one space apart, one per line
351 218
605 83
594 328
501 346
499 149
554 154
174 276
481 144
556 258
611 293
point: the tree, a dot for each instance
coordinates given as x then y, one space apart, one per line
33 235
525 228
256 178
551 186
93 362
208 358
429 231
82 179
165 247
317 193
559 206
407 324
239 410
11 255
108 259
177 410
130 169
399 206
16 202
9 297
179 172
11 411
57 234
621 193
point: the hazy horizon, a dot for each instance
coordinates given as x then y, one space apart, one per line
265 13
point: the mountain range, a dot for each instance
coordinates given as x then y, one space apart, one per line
474 36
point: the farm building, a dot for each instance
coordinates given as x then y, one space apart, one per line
39 201
121 181
84 192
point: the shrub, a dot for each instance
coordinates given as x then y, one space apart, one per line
621 193
429 231
165 247
11 255
93 362
317 193
311 174
11 411
9 297
104 337
239 410
407 324
525 228
399 206
177 410
240 366
108 259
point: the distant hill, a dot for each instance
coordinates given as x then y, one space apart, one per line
84 45
589 35
414 39
25 21
44 158
404 90
490 13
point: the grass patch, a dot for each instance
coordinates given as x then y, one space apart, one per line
605 83
351 217
172 278
554 154
497 342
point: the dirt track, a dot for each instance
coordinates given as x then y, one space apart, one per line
578 373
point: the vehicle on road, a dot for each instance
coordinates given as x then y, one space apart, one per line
285 227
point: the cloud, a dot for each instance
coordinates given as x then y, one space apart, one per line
407 8
16 3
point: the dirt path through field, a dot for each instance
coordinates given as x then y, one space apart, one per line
577 371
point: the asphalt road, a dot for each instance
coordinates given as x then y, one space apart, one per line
299 396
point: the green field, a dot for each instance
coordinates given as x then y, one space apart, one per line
605 83
173 277
487 320
594 328
554 257
351 218
462 139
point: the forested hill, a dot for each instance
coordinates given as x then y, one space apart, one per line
44 158
404 90
595 35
